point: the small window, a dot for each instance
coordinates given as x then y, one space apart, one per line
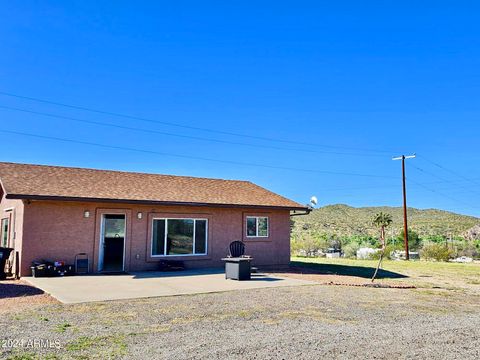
179 237
257 226
5 232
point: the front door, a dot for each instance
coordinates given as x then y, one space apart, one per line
112 243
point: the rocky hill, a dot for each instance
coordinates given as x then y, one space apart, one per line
344 220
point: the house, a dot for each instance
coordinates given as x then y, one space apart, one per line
126 221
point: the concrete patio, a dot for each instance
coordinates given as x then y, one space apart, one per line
87 288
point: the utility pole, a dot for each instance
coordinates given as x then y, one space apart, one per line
405 222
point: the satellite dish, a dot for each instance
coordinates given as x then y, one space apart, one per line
313 200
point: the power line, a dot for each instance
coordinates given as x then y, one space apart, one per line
381 186
188 156
84 108
444 195
450 171
151 131
130 128
58 139
444 179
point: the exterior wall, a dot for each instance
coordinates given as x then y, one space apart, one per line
58 230
13 210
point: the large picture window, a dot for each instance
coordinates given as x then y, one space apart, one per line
4 232
257 226
177 237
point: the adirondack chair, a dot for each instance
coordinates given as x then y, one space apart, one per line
237 249
237 264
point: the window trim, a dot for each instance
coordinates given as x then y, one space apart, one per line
166 235
256 227
8 231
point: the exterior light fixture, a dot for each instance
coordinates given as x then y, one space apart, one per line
139 216
86 214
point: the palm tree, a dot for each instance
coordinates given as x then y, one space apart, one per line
382 221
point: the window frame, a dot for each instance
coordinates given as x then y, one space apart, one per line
256 227
166 236
8 220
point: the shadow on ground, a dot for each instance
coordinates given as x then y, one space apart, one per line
187 272
344 270
261 277
12 290
196 272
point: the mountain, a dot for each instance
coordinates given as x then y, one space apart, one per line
344 220
473 233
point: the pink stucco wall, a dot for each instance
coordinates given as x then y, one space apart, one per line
13 210
58 230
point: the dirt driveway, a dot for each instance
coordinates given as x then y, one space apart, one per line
434 321
303 322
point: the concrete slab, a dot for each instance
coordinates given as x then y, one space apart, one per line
87 288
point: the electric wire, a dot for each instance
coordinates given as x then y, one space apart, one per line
173 124
81 142
152 131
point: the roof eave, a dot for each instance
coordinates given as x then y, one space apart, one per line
148 202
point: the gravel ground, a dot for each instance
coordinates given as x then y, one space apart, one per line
17 295
304 322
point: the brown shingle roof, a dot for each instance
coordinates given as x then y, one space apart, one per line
54 182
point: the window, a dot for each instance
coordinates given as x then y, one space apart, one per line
257 226
4 232
179 237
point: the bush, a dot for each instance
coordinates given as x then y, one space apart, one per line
469 250
307 244
389 249
436 252
376 255
439 239
350 250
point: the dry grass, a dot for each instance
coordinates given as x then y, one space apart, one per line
297 322
422 274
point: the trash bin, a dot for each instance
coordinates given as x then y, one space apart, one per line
39 270
4 255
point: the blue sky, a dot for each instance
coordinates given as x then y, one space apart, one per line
317 95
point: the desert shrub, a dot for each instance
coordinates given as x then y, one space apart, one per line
469 250
350 250
436 252
376 255
439 239
295 246
306 244
391 248
476 243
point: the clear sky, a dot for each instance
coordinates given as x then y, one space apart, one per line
304 98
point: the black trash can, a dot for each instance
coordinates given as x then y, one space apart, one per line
4 255
39 271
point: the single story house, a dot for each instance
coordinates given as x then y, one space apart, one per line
127 221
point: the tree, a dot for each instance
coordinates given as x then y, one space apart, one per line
382 221
414 240
308 242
